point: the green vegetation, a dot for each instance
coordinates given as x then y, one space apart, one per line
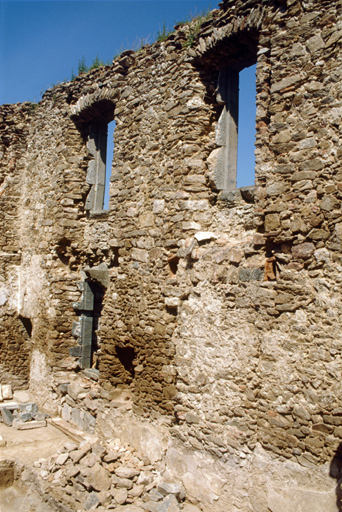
193 21
83 68
163 33
195 26
32 107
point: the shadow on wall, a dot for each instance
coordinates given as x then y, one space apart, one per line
336 472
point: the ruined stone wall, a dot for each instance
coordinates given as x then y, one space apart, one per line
263 314
221 312
14 339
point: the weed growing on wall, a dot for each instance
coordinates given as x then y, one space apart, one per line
163 33
194 24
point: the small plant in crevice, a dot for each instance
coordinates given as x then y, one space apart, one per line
82 67
138 45
119 51
32 107
194 25
163 33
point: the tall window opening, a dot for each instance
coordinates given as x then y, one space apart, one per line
100 147
235 131
109 158
245 173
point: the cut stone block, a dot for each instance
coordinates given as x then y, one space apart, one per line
41 416
26 416
7 391
29 425
7 416
11 406
75 351
29 407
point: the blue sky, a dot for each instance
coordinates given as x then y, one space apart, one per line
42 41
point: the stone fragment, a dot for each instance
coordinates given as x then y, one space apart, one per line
89 460
41 416
190 417
150 506
100 273
172 302
70 446
271 222
336 36
318 234
191 225
75 389
303 251
314 43
140 255
72 471
29 407
203 236
99 478
158 206
287 82
26 416
155 495
258 240
329 203
301 412
136 490
29 425
169 504
120 496
78 454
146 219
99 450
111 456
61 459
166 488
7 417
235 255
125 483
7 392
126 472
91 502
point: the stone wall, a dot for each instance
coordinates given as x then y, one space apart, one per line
15 346
219 316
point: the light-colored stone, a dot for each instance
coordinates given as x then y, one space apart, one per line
99 478
126 472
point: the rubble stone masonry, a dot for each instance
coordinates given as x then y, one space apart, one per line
217 312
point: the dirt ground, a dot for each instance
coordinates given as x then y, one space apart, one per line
28 446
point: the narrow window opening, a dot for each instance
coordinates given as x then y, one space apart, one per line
235 131
109 159
245 173
101 147
27 324
173 260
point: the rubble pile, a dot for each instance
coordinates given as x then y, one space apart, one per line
107 477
